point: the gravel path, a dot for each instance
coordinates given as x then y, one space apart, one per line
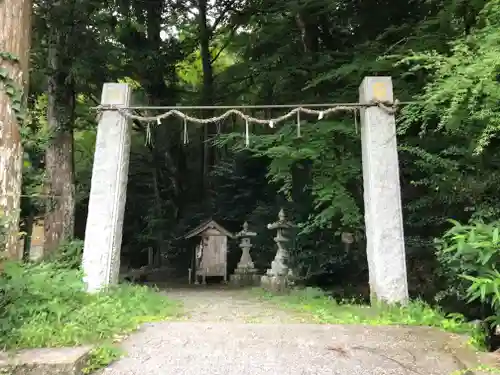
218 304
229 333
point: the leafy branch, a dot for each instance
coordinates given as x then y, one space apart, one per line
13 90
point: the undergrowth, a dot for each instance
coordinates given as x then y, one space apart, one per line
324 309
45 305
102 356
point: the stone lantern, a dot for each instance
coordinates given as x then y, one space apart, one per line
245 273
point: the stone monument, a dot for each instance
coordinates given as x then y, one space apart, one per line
278 277
245 273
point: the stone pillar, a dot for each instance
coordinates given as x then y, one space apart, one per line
277 277
37 241
108 192
382 195
245 273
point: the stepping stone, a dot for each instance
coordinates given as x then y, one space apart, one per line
49 361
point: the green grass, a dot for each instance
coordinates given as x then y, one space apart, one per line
323 309
481 369
45 305
101 356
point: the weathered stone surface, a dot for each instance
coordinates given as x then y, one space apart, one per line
276 284
245 273
279 266
382 195
50 361
278 278
244 279
245 263
108 192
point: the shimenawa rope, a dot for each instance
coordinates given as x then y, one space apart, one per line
390 108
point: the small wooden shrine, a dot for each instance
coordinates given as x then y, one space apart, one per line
211 252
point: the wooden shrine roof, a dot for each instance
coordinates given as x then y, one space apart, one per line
209 224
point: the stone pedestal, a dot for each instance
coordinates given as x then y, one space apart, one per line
276 284
244 279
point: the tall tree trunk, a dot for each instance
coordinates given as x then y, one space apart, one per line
60 211
158 216
15 41
309 32
205 35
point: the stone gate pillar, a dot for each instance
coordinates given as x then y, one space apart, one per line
108 192
382 195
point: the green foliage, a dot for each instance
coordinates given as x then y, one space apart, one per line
325 309
190 69
84 157
281 52
101 357
328 164
45 305
471 253
68 255
486 288
484 369
3 232
35 139
463 92
470 249
13 90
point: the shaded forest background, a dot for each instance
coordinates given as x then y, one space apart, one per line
442 54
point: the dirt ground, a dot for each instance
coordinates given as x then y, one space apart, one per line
230 332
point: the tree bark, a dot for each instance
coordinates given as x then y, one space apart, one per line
15 39
209 130
309 32
59 219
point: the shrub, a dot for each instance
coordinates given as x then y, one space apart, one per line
469 256
101 356
469 251
45 305
324 309
68 255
